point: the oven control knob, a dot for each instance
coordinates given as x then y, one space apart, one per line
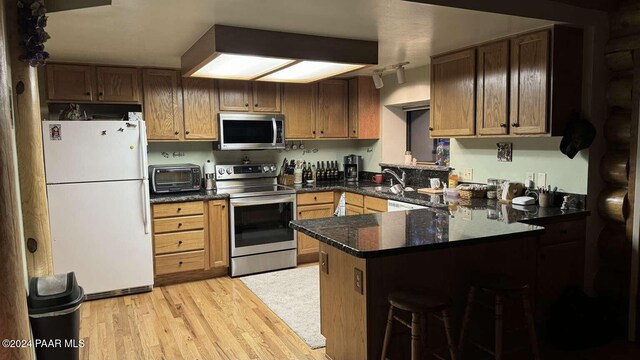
273 168
265 169
221 171
229 171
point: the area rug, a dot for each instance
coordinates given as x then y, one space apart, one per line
293 295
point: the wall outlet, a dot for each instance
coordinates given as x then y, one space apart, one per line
542 180
467 175
530 176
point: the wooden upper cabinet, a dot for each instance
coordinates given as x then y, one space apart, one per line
364 108
299 102
266 97
234 95
333 109
70 83
162 104
453 84
492 108
118 84
530 77
200 109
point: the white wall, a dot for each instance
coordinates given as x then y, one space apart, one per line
529 155
394 122
199 152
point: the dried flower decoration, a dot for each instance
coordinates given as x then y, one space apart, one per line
32 20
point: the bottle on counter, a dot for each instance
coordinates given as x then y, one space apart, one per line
453 179
322 172
317 172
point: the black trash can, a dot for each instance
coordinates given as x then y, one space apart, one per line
54 310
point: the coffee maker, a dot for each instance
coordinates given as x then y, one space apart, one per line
352 166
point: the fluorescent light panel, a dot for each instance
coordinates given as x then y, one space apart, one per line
240 67
309 71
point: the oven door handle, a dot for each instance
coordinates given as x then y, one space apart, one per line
275 131
241 202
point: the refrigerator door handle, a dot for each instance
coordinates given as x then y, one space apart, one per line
143 150
145 206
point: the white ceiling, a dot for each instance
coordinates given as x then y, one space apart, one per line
158 32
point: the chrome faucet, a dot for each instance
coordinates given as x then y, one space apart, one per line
401 179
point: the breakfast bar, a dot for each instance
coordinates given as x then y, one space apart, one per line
365 258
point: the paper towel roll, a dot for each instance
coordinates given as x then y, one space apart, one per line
209 167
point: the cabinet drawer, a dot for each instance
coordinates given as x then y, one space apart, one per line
315 198
353 210
178 242
354 199
168 264
562 232
374 203
178 209
178 224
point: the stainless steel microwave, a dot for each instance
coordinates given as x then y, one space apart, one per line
251 131
174 178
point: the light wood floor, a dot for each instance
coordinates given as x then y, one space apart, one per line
212 319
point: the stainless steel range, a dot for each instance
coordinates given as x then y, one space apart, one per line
261 239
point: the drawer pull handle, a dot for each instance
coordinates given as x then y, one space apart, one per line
179 242
179 224
180 263
179 209
315 198
300 213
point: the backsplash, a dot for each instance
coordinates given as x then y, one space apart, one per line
199 152
416 177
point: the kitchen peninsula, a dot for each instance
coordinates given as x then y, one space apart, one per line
364 258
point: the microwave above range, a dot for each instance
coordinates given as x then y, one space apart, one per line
240 131
175 178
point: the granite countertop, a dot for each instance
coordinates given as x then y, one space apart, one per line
202 194
417 167
393 233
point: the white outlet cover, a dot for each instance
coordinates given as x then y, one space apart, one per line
542 180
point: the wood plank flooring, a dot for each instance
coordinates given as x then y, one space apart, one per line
211 319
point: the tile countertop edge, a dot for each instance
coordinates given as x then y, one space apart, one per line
417 248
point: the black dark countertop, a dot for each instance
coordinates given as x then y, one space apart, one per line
393 233
187 196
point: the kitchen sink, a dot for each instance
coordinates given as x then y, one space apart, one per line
396 189
376 188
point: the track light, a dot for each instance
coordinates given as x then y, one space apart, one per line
377 79
400 74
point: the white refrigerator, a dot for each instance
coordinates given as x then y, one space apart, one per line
98 192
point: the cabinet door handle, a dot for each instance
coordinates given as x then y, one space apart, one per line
354 131
321 131
503 125
177 132
313 132
430 129
88 93
100 94
300 213
515 124
246 105
186 132
223 206
256 105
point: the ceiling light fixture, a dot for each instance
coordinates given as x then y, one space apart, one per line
400 72
228 52
377 78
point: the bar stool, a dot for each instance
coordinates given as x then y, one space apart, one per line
500 288
420 304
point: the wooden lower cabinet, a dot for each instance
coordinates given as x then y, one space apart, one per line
374 204
308 207
353 210
190 240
